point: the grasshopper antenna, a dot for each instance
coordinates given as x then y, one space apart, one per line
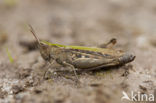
33 32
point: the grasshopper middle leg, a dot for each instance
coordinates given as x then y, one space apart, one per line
73 68
64 63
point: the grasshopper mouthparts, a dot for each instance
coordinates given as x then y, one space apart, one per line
126 58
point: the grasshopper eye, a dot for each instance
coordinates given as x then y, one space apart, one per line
43 44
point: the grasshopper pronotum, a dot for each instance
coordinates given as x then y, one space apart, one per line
83 58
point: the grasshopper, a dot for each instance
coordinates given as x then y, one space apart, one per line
83 58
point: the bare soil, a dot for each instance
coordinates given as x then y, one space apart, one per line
75 22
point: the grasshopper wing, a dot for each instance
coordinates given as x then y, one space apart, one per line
86 63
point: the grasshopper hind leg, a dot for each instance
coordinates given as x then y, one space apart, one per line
110 44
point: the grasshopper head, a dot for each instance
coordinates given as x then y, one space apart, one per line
43 47
45 51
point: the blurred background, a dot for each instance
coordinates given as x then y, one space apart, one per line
75 22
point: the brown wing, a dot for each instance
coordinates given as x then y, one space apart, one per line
86 63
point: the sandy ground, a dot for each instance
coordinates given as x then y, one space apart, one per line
76 22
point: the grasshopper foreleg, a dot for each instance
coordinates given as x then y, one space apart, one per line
46 74
110 44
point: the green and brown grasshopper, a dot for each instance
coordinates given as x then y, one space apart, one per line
83 58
